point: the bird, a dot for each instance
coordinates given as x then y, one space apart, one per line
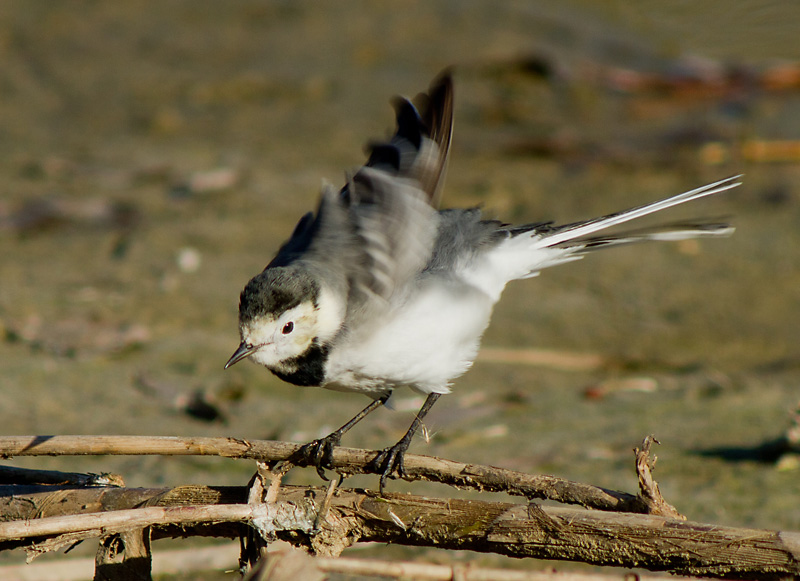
378 289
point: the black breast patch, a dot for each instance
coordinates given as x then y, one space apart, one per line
307 369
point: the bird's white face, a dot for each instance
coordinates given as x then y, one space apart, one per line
273 340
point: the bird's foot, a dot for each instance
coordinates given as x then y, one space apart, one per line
319 453
390 462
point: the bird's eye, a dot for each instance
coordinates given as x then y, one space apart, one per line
288 328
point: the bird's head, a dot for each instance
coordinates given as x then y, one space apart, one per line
279 317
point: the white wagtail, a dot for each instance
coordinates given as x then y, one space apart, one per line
379 290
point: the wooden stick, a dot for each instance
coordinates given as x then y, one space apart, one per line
223 556
13 475
100 523
547 358
345 461
465 572
124 556
528 530
648 487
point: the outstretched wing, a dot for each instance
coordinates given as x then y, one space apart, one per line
420 147
374 235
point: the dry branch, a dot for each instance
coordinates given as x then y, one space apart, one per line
601 538
100 523
12 475
547 358
223 557
648 487
45 517
124 556
462 572
345 461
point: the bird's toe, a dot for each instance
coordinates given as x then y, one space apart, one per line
390 463
319 454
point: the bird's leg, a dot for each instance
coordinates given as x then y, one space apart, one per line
319 453
390 460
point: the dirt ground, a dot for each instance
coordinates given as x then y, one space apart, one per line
154 155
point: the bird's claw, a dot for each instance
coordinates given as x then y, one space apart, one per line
390 463
319 453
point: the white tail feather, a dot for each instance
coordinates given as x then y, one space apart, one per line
525 254
586 228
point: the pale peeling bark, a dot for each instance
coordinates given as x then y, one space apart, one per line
650 542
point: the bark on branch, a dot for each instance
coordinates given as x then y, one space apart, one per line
345 461
527 530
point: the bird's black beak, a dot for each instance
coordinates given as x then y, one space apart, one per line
243 351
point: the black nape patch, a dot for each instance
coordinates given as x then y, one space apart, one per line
275 291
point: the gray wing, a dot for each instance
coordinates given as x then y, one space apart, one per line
373 236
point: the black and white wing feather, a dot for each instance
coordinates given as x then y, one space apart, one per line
374 235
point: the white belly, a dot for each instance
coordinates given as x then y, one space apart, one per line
425 344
